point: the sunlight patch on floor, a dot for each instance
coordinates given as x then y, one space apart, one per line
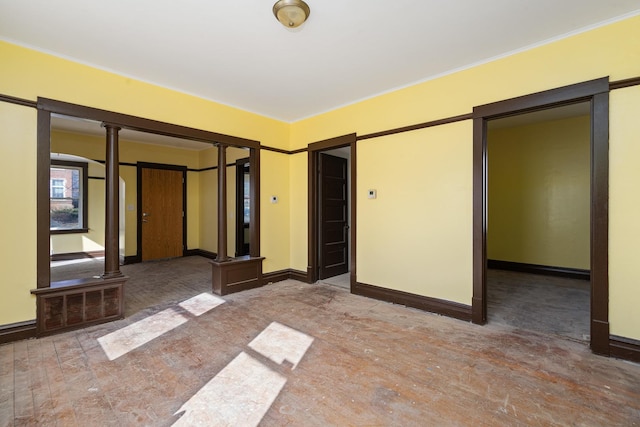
130 337
244 390
202 303
280 343
239 395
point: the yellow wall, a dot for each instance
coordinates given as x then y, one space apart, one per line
274 217
624 212
298 206
611 50
17 227
416 235
539 193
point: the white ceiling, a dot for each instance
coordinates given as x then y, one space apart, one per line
235 52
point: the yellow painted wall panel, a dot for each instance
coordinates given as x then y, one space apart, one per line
416 235
275 229
624 213
298 207
539 193
209 210
193 210
17 227
130 177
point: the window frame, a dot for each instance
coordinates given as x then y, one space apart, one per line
84 195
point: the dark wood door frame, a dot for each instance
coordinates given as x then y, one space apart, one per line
145 165
314 150
597 93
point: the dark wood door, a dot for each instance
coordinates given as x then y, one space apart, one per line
243 207
162 213
333 225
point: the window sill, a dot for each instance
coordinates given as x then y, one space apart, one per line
70 231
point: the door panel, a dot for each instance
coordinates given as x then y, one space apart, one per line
334 229
162 213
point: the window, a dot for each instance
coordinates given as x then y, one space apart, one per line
57 187
67 197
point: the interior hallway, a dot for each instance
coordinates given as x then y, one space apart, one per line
297 354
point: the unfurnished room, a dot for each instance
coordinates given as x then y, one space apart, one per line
344 213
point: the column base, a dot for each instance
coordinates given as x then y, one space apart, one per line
236 274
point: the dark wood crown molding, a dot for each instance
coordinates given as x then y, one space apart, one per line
18 101
143 125
418 126
620 84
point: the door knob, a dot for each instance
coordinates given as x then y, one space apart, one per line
145 214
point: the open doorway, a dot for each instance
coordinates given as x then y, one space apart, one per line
596 93
332 211
538 221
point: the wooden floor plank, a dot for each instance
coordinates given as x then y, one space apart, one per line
23 395
6 385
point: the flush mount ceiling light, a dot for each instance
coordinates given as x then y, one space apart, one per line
291 13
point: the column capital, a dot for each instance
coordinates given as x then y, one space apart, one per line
111 126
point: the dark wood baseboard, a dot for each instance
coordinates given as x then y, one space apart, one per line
280 275
77 255
132 259
434 305
624 348
275 276
298 275
200 252
17 331
573 273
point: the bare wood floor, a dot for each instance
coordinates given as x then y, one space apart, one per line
298 354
